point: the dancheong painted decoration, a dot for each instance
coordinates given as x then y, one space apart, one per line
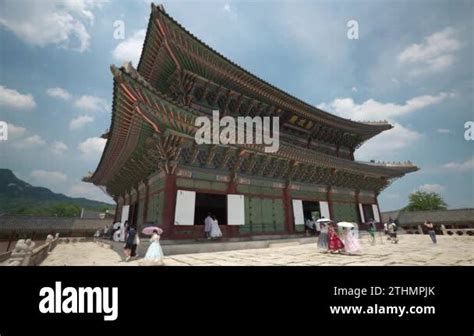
157 173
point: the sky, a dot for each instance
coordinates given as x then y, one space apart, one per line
412 65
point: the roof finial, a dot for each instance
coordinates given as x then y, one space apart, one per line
160 7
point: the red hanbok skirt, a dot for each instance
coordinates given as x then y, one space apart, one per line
334 242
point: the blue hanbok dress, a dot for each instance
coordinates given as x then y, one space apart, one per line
154 252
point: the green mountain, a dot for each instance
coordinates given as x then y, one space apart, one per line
19 197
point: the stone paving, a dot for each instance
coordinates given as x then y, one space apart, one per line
412 250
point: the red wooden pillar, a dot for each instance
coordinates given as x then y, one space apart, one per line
145 201
232 185
233 230
378 207
329 198
357 205
116 211
288 209
169 206
136 206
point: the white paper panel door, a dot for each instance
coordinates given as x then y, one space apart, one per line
375 209
298 212
185 201
361 211
324 209
235 210
125 211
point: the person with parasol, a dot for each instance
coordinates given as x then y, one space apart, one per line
323 236
154 254
335 243
351 243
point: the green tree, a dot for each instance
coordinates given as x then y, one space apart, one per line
64 210
423 200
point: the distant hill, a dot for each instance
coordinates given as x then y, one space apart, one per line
19 197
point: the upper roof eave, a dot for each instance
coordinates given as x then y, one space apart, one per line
367 129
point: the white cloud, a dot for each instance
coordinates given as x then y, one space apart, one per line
436 188
58 92
15 99
91 103
443 130
46 22
434 54
29 142
48 177
467 165
374 110
59 148
92 147
80 121
354 89
371 110
387 142
89 191
130 49
15 132
227 7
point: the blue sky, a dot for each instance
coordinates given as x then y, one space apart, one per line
412 65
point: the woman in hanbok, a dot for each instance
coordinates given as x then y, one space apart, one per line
351 243
154 254
215 230
335 244
323 237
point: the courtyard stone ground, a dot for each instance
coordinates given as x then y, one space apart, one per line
412 250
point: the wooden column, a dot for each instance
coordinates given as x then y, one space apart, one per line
145 202
136 206
169 206
357 204
116 211
329 198
232 185
378 207
288 209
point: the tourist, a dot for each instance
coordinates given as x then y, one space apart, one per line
385 229
106 229
392 232
431 231
215 230
317 226
335 243
351 243
208 225
136 242
323 237
310 226
154 254
371 230
130 237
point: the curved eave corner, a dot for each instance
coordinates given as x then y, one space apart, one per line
92 177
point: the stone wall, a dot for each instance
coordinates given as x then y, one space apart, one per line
29 225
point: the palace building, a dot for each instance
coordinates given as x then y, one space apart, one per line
157 173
